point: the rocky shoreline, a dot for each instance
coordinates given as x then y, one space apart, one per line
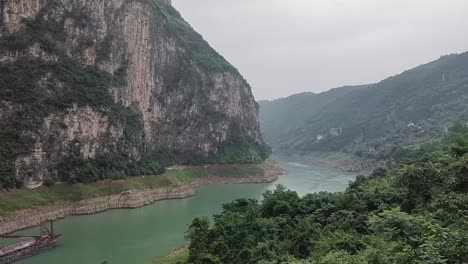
364 167
360 166
130 199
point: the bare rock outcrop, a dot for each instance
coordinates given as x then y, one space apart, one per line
124 78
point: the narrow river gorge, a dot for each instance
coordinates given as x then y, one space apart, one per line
136 236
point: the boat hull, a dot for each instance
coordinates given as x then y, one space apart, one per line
30 251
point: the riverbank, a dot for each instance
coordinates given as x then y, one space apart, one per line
343 161
64 200
178 255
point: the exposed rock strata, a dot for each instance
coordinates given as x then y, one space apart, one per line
177 97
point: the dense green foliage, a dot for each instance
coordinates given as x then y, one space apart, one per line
240 148
412 213
413 106
74 170
203 53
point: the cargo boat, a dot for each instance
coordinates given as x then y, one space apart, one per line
33 245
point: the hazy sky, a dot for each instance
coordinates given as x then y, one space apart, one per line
284 47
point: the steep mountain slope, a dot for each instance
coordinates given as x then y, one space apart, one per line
416 104
97 89
283 116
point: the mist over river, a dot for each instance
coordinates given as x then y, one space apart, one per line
134 236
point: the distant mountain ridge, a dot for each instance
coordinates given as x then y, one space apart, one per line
282 116
414 105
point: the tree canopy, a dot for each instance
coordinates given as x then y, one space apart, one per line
414 212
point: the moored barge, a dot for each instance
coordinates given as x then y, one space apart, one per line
33 245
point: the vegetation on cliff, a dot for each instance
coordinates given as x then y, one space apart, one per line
34 88
415 212
66 83
203 53
83 86
240 148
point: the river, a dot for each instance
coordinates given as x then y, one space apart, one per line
136 236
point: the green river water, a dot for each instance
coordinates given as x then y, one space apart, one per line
136 236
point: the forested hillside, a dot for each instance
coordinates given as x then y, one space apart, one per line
282 117
415 212
418 104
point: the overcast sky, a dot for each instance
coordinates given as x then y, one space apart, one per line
284 47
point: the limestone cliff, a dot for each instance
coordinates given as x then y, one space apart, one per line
86 86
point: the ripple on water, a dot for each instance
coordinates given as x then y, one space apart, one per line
296 164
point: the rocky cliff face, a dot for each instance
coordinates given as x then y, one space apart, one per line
128 80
